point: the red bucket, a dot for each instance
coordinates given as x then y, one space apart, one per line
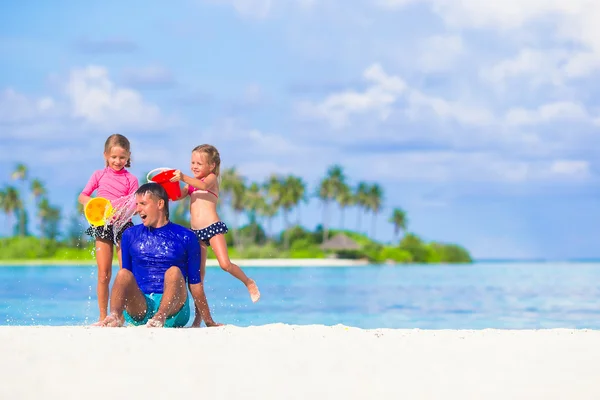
173 189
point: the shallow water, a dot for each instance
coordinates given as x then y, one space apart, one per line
507 295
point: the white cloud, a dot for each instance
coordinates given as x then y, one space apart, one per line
571 167
546 113
90 101
253 8
260 9
96 99
16 107
507 14
572 21
254 170
395 3
539 67
232 133
440 52
148 76
377 98
448 110
253 94
384 92
448 166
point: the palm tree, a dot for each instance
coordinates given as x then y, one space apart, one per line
272 188
2 200
20 173
38 191
302 194
328 190
180 214
292 192
255 202
238 205
230 178
398 219
361 198
344 199
74 233
49 217
232 189
268 210
79 207
11 202
374 202
44 211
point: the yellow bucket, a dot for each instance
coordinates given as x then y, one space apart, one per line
98 210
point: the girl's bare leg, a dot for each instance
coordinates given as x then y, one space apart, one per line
219 246
204 313
104 256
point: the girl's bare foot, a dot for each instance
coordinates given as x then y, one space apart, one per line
211 324
253 290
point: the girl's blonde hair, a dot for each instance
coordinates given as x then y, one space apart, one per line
117 140
212 156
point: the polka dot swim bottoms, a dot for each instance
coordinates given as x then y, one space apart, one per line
205 234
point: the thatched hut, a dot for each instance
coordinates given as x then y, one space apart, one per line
340 242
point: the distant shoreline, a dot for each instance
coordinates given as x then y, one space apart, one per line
253 262
290 262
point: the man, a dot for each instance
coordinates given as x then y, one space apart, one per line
158 257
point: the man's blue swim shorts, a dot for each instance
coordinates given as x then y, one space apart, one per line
177 320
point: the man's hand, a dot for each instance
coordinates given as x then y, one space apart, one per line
202 310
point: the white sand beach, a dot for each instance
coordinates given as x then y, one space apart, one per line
297 362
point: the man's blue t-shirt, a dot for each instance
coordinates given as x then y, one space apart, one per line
149 252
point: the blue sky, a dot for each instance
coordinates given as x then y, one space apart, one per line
481 121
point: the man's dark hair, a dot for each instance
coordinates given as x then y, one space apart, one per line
157 191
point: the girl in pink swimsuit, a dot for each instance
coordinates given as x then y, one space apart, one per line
203 190
112 182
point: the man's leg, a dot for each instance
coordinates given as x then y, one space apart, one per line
173 298
126 295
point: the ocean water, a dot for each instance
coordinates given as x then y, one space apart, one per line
477 296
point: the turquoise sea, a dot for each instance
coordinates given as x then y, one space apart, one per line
477 296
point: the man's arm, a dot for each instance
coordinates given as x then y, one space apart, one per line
193 259
193 267
198 295
126 251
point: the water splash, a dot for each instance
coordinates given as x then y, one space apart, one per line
124 209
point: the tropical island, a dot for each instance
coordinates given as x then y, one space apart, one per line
260 202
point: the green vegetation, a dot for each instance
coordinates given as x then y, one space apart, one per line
260 202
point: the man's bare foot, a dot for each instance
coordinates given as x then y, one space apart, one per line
111 321
155 323
253 290
197 321
209 324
